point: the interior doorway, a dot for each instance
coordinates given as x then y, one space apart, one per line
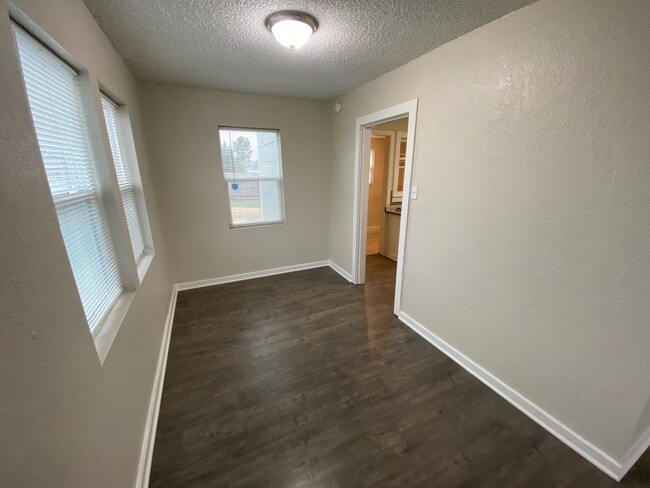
385 187
384 160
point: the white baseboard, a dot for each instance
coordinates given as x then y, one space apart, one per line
587 450
636 451
249 276
340 271
149 438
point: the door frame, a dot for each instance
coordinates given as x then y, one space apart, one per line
363 134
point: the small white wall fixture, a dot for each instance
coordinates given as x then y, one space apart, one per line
361 174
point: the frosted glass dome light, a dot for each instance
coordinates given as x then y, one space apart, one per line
291 29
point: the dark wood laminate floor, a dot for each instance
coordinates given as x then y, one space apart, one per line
303 380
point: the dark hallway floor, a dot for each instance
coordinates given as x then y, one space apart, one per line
303 380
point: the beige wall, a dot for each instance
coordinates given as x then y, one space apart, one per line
66 419
182 130
527 249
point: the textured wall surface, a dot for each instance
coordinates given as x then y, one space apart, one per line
527 249
66 420
182 129
224 45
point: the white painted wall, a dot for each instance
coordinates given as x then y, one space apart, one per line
527 249
182 131
66 419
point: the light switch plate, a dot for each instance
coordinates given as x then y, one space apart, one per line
414 193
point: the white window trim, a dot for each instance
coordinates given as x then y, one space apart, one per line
145 261
106 333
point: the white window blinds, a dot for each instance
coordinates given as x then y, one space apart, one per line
117 136
253 172
56 106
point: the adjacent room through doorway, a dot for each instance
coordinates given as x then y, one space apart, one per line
387 162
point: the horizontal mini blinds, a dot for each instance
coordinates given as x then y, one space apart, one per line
252 169
56 106
117 127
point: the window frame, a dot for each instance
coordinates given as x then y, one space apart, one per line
279 180
130 161
107 327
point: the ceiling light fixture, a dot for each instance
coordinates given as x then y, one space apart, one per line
290 28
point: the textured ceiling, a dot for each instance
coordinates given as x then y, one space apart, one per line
223 44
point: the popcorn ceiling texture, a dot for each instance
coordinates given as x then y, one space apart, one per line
223 44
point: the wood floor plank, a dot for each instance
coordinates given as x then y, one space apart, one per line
303 380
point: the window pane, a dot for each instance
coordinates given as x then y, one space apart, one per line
253 172
271 203
268 154
116 127
239 153
245 202
255 202
87 242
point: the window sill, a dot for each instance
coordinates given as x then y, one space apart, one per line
257 224
106 334
144 263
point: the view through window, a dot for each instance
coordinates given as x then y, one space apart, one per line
252 169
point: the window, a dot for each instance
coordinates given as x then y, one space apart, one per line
118 136
54 94
253 172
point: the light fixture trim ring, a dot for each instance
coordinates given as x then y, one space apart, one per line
281 15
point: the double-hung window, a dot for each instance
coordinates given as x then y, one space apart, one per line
118 136
58 112
252 169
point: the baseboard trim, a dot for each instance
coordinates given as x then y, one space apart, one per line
587 450
149 438
635 452
249 276
340 271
